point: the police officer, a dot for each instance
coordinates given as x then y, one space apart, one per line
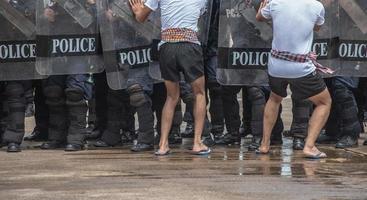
67 95
214 89
344 114
14 92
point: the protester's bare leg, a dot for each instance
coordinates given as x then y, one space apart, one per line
317 121
173 96
270 118
198 88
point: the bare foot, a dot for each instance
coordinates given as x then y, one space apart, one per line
313 153
264 148
199 147
163 150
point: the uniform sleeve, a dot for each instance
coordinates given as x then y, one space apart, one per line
152 4
266 11
321 16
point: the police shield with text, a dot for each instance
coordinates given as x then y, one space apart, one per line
69 50
127 54
243 50
17 60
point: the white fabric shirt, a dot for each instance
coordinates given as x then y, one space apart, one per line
178 13
293 24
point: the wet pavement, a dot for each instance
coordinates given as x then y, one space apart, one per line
228 173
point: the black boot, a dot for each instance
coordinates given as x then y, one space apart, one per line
51 145
13 148
77 113
255 143
73 147
36 135
298 143
347 141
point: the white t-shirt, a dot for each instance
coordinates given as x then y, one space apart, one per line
293 24
178 13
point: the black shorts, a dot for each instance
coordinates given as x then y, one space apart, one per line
302 88
181 57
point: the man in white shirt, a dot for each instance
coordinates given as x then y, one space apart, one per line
180 51
292 63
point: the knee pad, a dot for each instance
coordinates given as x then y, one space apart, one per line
256 95
137 95
54 95
74 97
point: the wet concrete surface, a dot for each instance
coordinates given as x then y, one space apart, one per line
228 173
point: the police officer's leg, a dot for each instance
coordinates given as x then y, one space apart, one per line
301 110
100 93
53 89
216 108
14 133
158 99
140 100
115 112
2 112
348 114
41 114
29 97
215 96
258 99
231 114
128 120
78 91
245 128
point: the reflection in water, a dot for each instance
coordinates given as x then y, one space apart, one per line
286 155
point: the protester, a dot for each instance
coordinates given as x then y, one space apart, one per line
291 63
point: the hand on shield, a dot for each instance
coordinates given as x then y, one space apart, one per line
259 16
136 5
140 11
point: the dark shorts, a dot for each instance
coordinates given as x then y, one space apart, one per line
302 88
181 57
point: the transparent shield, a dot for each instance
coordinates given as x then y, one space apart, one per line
68 40
353 38
244 44
126 42
326 40
17 41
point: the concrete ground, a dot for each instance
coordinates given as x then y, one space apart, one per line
228 173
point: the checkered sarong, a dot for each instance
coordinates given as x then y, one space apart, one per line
179 35
302 58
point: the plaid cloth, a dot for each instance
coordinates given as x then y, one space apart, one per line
179 35
302 58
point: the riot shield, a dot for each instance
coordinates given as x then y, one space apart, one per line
68 40
203 34
244 44
126 43
17 41
353 38
326 40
